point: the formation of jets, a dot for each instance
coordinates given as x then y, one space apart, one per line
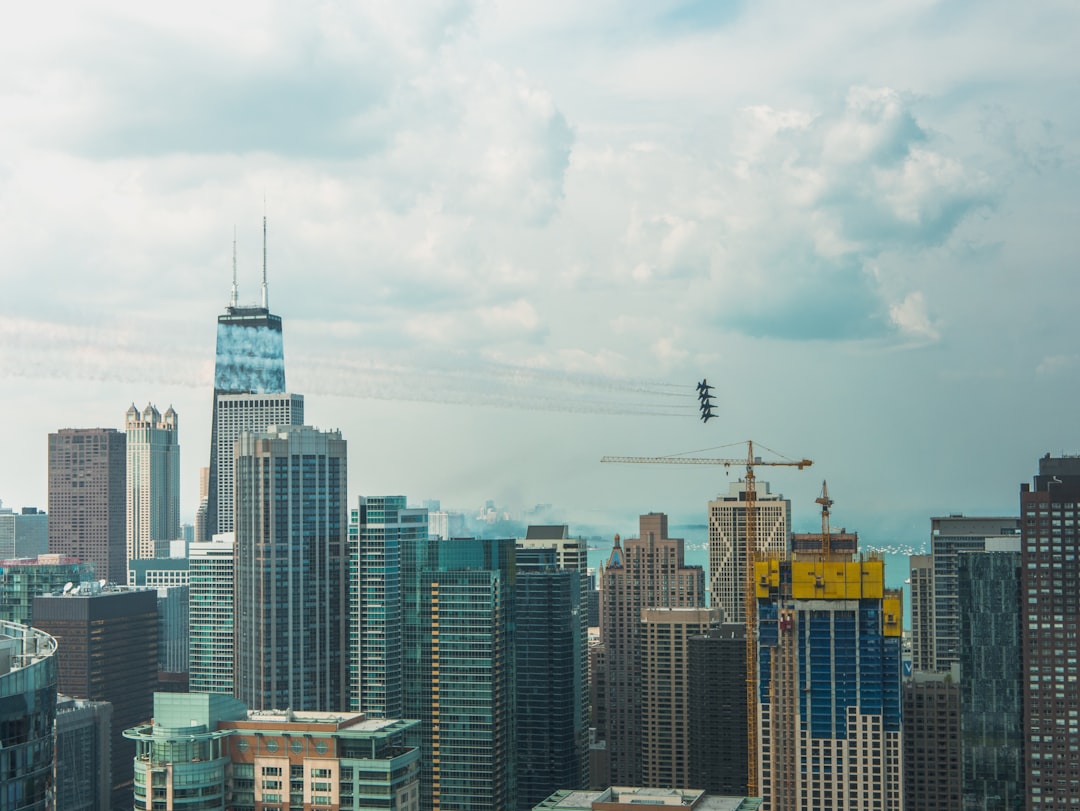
705 400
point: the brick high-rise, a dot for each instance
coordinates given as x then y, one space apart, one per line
87 477
644 572
1050 616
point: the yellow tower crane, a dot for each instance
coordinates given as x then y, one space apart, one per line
749 600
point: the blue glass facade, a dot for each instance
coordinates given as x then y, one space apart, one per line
459 669
552 709
829 668
991 672
377 528
250 357
28 675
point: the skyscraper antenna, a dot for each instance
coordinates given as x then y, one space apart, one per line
233 298
265 298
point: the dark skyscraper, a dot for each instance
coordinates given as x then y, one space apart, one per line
717 681
459 644
250 358
291 532
1050 615
991 705
931 718
552 679
107 651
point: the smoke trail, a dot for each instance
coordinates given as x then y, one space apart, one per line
47 350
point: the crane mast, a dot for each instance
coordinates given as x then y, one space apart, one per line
749 599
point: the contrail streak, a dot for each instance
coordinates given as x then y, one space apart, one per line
45 350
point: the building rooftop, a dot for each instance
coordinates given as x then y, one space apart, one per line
618 797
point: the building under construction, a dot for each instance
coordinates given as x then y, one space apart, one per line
828 681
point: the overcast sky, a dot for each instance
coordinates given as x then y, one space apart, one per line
507 238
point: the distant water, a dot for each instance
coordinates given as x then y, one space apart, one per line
697 554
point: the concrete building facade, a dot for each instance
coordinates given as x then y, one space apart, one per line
237 414
666 709
727 543
87 501
1049 624
208 751
211 616
644 572
153 481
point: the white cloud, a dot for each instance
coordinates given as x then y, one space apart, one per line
912 319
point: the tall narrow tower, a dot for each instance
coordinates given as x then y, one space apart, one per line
459 644
1050 615
644 572
377 529
250 358
153 480
290 569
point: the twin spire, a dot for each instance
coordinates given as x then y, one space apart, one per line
234 297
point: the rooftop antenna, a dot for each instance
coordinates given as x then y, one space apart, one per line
265 298
233 299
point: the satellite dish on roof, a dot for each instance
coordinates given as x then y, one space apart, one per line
68 587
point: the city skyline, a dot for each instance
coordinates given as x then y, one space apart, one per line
504 232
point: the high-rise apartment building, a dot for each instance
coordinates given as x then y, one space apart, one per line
23 534
665 682
992 731
210 751
153 481
107 644
211 616
290 595
23 580
716 675
949 536
932 765
87 505
727 543
921 577
83 768
551 687
236 414
28 671
570 553
1050 622
459 669
829 685
377 528
644 572
250 358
